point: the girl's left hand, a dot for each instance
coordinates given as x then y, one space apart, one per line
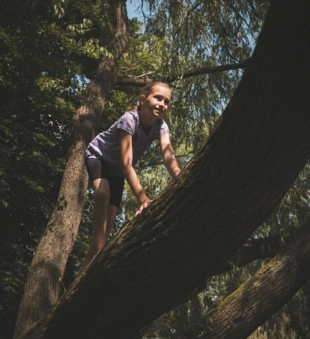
144 205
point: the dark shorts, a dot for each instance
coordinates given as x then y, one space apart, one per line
97 169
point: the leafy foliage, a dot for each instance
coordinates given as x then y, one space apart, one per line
46 61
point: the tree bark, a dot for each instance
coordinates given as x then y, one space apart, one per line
42 285
252 250
234 182
256 300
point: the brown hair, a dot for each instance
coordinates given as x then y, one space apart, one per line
147 89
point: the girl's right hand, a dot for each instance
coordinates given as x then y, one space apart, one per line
144 205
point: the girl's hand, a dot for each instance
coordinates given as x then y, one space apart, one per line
144 205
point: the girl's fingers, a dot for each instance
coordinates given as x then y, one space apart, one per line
143 206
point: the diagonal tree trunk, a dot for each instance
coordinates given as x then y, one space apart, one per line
261 296
234 182
47 268
265 293
252 250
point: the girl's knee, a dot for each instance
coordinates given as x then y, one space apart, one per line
102 190
102 194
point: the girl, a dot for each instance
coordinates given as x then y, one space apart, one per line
110 158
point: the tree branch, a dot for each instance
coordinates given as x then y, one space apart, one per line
258 298
252 250
42 285
137 81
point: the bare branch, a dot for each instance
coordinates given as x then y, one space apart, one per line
137 81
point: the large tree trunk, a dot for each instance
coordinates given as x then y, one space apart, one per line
252 250
47 268
235 181
256 300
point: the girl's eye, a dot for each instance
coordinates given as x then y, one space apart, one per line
159 98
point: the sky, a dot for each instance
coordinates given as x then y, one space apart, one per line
132 12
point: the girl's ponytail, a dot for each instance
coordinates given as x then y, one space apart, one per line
132 108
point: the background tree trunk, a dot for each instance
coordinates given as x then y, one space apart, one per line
257 299
234 182
47 268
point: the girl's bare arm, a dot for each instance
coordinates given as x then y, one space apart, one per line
168 155
129 172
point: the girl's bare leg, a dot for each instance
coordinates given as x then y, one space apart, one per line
104 218
112 212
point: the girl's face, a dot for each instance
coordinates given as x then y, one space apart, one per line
156 103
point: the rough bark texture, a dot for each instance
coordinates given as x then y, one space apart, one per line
235 181
252 250
256 300
47 268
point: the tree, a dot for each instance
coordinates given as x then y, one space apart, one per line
190 318
49 53
42 70
52 271
236 315
261 295
51 255
232 183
